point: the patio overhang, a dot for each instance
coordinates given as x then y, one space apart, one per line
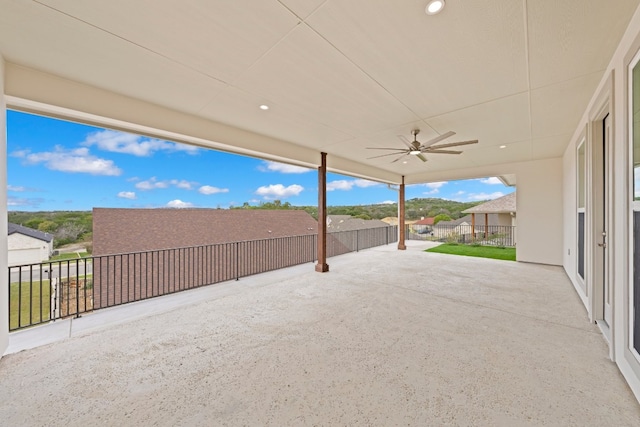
338 78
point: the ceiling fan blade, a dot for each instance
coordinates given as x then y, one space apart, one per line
406 141
437 139
421 157
384 155
443 151
454 144
385 148
405 154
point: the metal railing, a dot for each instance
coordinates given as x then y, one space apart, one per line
40 293
491 235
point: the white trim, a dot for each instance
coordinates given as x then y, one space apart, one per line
596 217
633 206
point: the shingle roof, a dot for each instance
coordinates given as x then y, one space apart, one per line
425 221
133 230
348 223
36 234
504 204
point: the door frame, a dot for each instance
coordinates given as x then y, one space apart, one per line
594 254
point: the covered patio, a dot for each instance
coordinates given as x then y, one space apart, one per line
388 338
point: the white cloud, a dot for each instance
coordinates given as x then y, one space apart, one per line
77 160
151 184
185 185
120 142
491 181
16 188
485 196
208 189
364 183
279 191
459 193
436 185
127 195
270 166
16 201
387 202
339 185
346 185
177 203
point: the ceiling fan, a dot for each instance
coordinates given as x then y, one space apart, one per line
415 148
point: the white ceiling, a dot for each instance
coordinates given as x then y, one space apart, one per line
339 75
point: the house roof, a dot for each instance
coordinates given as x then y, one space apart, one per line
479 221
36 234
504 204
393 220
424 221
340 76
348 223
133 230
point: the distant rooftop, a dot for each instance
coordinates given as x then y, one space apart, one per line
504 204
133 230
36 234
349 223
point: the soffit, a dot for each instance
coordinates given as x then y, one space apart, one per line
339 76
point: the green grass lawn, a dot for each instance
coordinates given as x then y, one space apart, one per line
508 254
26 301
72 255
31 303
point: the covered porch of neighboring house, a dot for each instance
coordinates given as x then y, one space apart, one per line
388 338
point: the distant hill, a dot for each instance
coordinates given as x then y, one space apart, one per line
77 226
414 208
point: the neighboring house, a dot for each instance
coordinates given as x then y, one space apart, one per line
171 249
493 221
348 223
425 221
422 226
28 246
501 211
393 220
134 230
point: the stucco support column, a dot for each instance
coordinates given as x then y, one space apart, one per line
322 266
401 237
4 281
473 226
486 225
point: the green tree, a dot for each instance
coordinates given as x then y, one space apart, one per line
48 226
441 217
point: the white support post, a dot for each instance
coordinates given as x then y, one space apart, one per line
4 280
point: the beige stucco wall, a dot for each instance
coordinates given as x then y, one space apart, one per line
539 200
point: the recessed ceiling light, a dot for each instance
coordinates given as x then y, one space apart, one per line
405 162
503 146
434 6
264 107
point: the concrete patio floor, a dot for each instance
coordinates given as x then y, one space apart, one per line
386 338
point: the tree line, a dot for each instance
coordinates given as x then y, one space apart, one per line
77 226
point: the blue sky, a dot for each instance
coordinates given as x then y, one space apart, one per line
59 165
